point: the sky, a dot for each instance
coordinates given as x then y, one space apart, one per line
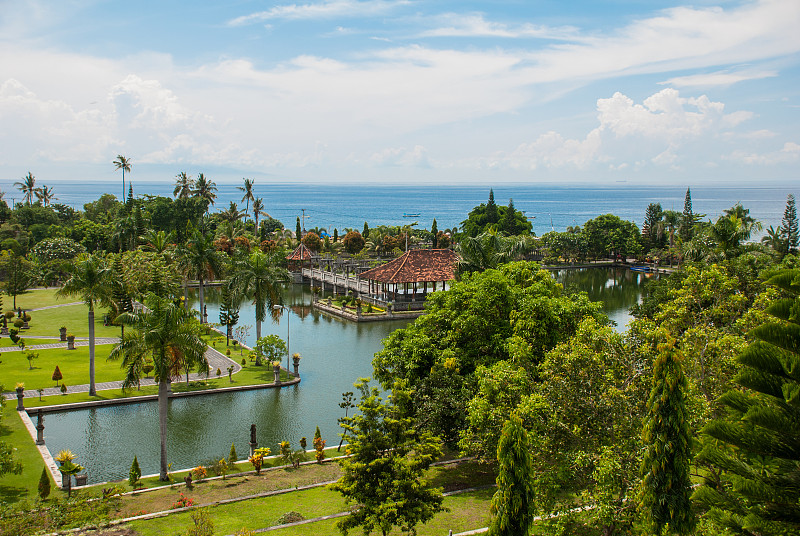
389 91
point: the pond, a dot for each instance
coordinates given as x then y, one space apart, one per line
335 354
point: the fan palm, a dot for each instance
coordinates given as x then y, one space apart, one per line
170 336
28 187
184 185
248 193
89 279
201 260
205 189
259 276
125 165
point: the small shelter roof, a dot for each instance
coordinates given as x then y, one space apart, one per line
301 253
416 265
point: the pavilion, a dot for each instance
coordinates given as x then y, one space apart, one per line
406 278
297 257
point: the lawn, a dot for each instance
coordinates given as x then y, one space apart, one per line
73 364
40 297
16 487
75 318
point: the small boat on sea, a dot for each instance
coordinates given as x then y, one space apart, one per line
411 214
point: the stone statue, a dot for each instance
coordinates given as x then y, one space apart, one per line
252 433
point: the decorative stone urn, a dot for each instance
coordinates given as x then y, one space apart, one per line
276 370
296 363
70 342
63 334
20 394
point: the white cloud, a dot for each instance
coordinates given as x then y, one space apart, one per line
718 78
788 154
321 10
476 25
402 156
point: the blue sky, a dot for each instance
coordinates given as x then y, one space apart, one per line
403 90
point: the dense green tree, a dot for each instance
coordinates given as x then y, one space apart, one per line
752 487
89 280
178 215
666 486
512 504
16 274
480 220
383 475
51 249
608 235
652 231
789 226
365 232
298 233
170 336
259 276
103 210
491 209
475 324
353 242
312 241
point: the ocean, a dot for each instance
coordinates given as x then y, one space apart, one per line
549 207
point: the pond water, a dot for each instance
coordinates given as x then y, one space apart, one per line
335 354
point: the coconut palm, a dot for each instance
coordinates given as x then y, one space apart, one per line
170 336
200 259
44 195
205 189
28 187
184 186
774 239
259 276
158 241
231 214
89 280
248 193
258 210
125 165
490 249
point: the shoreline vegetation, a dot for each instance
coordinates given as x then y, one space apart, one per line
505 368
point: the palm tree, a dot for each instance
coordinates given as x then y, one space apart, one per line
184 186
205 189
490 249
44 195
27 186
201 260
259 276
158 241
170 336
258 210
89 280
231 214
125 165
248 193
774 239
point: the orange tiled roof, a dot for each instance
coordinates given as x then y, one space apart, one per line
416 265
301 253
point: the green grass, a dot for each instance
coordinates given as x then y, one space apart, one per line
16 487
33 299
73 364
75 318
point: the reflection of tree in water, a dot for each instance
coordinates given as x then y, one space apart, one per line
617 288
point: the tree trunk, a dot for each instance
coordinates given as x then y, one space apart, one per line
162 427
202 300
92 390
258 329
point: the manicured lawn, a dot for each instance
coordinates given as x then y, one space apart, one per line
46 323
16 487
73 364
41 297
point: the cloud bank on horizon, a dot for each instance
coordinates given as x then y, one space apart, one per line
402 90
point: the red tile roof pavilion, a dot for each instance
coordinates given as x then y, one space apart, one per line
416 266
301 253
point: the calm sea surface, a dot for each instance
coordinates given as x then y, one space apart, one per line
549 207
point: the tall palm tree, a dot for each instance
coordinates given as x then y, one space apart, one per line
201 260
89 280
205 189
125 165
170 336
258 210
259 276
184 186
28 187
248 193
490 249
44 195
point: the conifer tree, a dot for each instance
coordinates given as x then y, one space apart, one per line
135 473
491 209
753 451
666 488
57 375
365 232
687 220
44 484
298 231
434 232
336 235
512 504
232 457
789 226
509 221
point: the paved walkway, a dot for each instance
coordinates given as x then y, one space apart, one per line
216 360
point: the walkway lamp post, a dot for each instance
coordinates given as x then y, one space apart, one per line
278 308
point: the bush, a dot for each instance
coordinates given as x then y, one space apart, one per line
257 459
44 484
203 526
290 517
232 455
135 473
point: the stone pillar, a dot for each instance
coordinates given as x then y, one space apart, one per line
20 395
296 364
62 332
276 370
39 428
